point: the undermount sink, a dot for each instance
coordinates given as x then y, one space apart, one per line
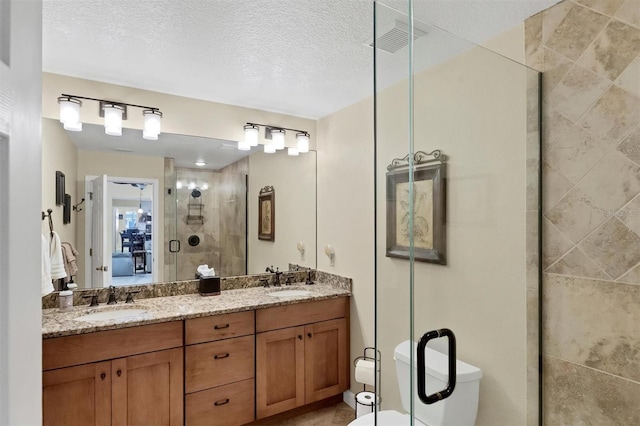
290 293
114 314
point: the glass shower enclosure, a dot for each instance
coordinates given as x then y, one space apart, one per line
457 174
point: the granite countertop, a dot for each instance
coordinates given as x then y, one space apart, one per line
163 309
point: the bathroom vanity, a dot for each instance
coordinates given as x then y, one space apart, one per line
225 360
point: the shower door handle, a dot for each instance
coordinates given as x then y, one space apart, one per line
422 386
174 246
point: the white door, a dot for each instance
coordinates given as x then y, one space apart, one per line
100 256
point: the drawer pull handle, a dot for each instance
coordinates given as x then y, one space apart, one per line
220 327
221 356
221 402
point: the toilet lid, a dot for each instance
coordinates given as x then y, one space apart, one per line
385 418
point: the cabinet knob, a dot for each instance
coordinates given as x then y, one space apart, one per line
103 375
221 402
300 336
309 335
119 372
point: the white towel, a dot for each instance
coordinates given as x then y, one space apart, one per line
57 263
47 286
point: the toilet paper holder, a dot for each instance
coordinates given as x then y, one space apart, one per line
371 400
370 354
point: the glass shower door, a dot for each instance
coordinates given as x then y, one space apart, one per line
457 172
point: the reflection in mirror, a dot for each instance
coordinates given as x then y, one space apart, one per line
205 214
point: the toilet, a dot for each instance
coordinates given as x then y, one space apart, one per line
460 409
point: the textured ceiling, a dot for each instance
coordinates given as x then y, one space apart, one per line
299 57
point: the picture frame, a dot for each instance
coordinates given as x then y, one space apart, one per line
429 208
60 189
66 209
267 214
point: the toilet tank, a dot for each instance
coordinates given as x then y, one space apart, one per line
459 409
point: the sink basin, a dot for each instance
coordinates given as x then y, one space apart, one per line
114 314
290 293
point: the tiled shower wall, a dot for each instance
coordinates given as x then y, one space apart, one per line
222 231
589 52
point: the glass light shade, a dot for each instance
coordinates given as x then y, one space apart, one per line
152 124
244 145
113 119
200 163
269 148
277 138
302 142
178 185
251 135
293 152
192 185
70 113
204 187
140 210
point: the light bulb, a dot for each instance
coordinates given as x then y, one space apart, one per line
250 135
302 142
277 138
140 210
152 124
204 187
178 185
293 152
192 185
269 148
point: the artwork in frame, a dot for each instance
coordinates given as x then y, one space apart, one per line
60 189
429 208
266 214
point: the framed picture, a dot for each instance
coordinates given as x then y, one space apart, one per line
429 201
60 189
66 209
267 214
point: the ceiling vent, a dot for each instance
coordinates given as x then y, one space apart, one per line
396 36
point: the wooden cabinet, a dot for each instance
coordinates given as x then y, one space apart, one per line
219 370
301 364
139 389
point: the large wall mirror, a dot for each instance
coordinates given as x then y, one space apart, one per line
150 214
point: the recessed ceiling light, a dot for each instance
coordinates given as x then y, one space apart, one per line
200 163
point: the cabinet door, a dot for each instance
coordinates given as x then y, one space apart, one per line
326 359
77 395
279 371
148 389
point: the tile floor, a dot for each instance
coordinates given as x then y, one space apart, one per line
338 415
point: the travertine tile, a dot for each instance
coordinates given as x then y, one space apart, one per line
613 50
578 153
594 323
575 395
613 182
630 146
577 92
553 16
614 115
630 12
533 42
630 215
629 80
576 215
576 31
556 127
533 171
577 264
631 277
556 67
554 186
613 247
554 244
606 7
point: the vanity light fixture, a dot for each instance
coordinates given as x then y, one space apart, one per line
113 113
275 137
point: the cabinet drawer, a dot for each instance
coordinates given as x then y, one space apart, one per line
216 327
225 405
300 314
214 364
102 345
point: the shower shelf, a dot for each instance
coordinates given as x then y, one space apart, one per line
194 215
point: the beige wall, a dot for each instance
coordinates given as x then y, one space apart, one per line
94 163
591 204
294 181
58 153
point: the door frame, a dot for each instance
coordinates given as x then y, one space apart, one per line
155 244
